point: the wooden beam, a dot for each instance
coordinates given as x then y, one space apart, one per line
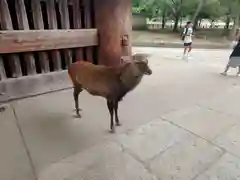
40 40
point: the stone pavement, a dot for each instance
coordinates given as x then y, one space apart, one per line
181 123
179 44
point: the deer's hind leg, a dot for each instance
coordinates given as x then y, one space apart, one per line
110 105
76 92
116 114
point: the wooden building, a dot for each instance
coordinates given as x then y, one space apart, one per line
40 38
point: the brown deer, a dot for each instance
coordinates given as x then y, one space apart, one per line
112 83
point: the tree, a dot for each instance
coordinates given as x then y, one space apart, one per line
153 8
196 14
182 8
232 13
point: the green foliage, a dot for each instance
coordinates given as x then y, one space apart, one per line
211 9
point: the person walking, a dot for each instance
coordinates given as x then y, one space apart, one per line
234 59
187 39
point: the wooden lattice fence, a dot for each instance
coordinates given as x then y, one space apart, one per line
38 36
43 36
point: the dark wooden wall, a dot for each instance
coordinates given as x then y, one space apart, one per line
40 38
29 27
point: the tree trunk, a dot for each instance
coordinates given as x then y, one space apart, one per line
195 23
235 26
211 26
198 10
163 20
226 28
200 23
227 22
175 27
181 22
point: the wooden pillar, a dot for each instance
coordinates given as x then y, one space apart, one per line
113 19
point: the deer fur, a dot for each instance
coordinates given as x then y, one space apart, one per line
112 83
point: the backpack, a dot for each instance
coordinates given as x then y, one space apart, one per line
183 35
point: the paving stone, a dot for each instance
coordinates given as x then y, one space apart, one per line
228 102
52 133
230 140
14 162
203 122
227 168
104 162
151 139
185 160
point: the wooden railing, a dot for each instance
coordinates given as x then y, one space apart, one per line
38 37
30 27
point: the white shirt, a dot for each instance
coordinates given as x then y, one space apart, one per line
188 35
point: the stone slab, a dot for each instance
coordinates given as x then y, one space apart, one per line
201 121
52 132
227 168
103 162
230 140
179 45
151 139
14 162
185 160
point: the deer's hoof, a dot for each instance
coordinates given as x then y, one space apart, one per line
112 131
118 124
77 115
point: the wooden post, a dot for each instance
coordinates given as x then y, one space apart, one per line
23 24
2 70
38 24
63 7
77 25
88 24
15 65
52 20
113 21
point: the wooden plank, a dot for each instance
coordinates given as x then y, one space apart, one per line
63 8
23 24
2 69
38 24
77 25
88 24
52 22
7 25
40 40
